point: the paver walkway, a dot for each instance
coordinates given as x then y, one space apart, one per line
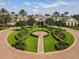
6 52
40 35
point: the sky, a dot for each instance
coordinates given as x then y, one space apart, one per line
41 6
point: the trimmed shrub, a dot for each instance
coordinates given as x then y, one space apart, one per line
61 45
19 45
59 35
33 35
22 34
51 28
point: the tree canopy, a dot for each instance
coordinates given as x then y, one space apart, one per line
49 21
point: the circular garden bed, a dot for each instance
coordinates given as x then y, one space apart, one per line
56 39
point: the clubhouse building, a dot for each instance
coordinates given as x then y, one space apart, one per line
40 19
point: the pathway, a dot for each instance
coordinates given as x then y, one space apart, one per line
40 35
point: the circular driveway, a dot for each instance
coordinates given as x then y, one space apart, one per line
7 52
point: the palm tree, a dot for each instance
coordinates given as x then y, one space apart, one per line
4 12
23 13
66 13
16 16
56 15
13 16
63 16
13 13
7 18
47 14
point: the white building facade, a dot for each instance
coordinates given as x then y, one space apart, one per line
71 22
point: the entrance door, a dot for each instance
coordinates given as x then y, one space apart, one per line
40 24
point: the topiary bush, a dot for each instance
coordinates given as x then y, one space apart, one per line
58 34
19 45
22 34
61 45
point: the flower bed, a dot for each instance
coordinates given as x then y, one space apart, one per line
60 36
21 35
54 34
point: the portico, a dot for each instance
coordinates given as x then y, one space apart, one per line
40 22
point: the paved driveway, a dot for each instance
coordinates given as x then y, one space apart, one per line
6 52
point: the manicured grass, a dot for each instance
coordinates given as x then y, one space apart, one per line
37 28
50 41
68 38
49 44
11 37
30 42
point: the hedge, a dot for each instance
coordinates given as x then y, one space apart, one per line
39 30
18 38
56 37
61 45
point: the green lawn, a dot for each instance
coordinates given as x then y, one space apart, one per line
49 44
68 38
30 42
11 37
49 41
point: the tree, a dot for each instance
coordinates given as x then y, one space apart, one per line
13 13
49 21
56 15
16 16
21 23
47 14
60 23
5 16
30 21
76 16
7 19
22 12
66 13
